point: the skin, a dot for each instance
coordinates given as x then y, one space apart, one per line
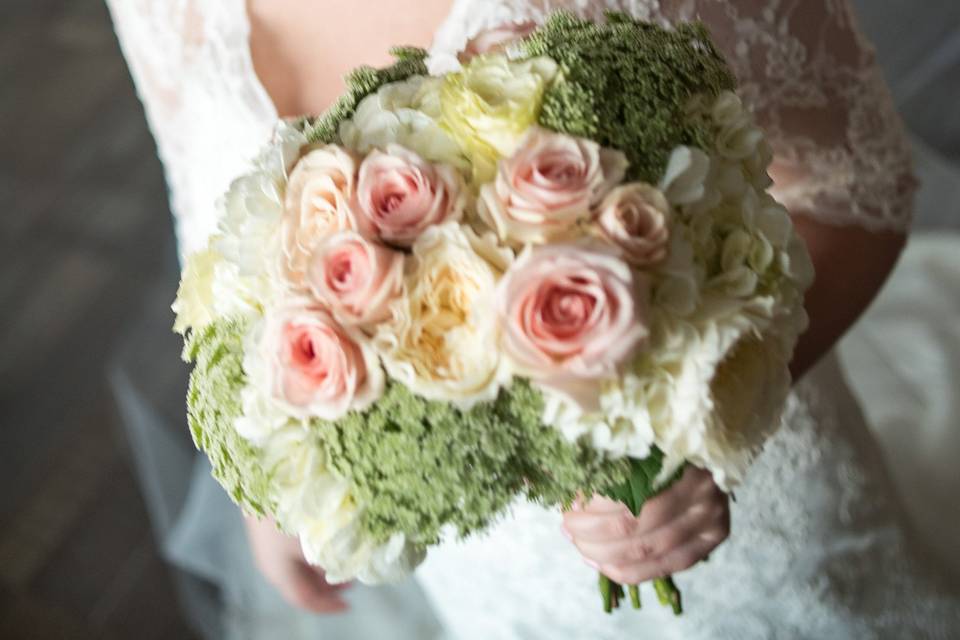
676 529
281 562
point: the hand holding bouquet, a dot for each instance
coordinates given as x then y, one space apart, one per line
556 270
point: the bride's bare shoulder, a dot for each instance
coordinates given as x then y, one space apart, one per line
289 37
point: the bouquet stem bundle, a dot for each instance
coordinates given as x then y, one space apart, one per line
639 487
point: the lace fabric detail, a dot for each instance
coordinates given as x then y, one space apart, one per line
842 156
207 110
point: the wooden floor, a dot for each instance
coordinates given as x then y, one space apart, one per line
84 237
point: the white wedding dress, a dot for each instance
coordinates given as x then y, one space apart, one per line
818 546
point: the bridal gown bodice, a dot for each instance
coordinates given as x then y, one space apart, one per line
817 549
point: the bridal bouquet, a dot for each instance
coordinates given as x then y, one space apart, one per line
556 270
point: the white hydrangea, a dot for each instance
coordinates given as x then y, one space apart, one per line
621 428
726 400
727 311
248 239
319 508
404 113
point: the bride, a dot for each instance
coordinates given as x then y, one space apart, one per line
813 546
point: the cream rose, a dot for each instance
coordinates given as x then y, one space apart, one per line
315 367
355 278
316 205
489 105
635 217
547 186
571 316
399 195
442 339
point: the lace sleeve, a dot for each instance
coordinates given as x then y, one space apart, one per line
841 153
207 112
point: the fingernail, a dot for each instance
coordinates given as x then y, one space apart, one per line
590 563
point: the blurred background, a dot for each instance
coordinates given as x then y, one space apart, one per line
88 270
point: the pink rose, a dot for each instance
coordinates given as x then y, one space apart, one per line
547 186
317 204
571 316
493 40
634 217
400 194
355 278
316 367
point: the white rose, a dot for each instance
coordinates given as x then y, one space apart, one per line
715 391
442 340
404 113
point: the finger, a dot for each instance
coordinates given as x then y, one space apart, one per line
677 560
305 591
600 527
695 486
603 504
647 545
321 579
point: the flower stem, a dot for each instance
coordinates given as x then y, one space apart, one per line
606 593
668 593
634 596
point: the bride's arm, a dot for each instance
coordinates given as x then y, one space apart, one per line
842 160
280 560
852 265
843 169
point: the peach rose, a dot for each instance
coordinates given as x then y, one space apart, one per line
547 186
571 316
355 278
635 217
317 204
399 195
316 368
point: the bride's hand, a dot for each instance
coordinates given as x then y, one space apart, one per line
674 530
280 560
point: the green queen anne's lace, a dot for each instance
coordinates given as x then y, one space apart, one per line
213 404
627 84
418 465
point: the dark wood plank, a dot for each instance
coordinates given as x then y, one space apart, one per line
85 244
